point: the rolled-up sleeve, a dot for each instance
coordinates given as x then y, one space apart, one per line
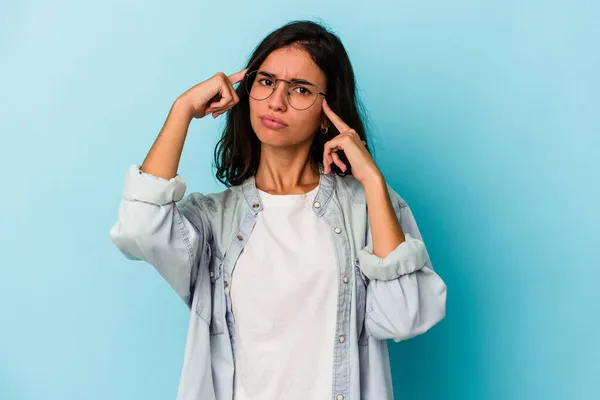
408 257
405 297
158 225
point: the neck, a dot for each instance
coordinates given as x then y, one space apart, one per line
281 171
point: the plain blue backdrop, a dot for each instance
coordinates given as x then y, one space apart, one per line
484 116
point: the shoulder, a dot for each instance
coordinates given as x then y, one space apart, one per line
212 211
213 202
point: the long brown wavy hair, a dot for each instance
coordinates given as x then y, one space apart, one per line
237 153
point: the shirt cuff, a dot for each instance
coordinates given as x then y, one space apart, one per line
141 186
408 257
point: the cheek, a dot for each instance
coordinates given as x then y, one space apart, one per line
315 115
307 122
255 112
254 108
313 119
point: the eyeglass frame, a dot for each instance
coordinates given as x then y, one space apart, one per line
287 92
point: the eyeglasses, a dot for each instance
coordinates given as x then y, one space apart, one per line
300 94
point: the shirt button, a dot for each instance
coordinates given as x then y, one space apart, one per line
212 274
240 237
339 397
255 205
342 339
346 279
317 204
226 283
338 230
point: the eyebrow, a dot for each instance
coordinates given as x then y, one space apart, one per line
296 80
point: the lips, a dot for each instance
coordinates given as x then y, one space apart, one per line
273 122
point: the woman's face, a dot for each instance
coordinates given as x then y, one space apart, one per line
299 126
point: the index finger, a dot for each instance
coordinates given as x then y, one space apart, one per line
333 117
237 77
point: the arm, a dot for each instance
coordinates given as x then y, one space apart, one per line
154 225
405 297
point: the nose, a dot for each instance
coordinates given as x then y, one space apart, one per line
278 99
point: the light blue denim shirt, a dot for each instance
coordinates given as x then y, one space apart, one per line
194 242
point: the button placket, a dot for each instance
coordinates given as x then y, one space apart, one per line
345 297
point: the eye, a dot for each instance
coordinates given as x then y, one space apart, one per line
303 90
266 82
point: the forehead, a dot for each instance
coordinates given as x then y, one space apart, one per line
293 63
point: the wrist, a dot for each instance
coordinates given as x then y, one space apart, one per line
182 109
375 179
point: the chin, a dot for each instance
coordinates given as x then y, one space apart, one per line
275 138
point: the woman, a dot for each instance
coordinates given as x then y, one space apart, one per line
298 271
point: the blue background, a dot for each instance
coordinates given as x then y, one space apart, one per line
484 118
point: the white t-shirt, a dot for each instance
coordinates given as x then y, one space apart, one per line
284 298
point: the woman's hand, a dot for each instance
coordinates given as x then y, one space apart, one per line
214 96
363 165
